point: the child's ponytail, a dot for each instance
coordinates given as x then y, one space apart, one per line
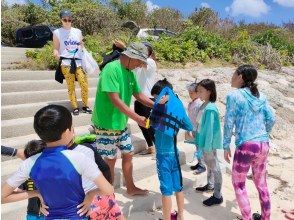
249 75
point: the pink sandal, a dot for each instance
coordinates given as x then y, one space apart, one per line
174 215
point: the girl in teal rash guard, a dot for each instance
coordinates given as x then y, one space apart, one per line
208 139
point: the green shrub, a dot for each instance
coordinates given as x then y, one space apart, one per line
191 45
275 39
43 58
243 50
11 20
101 43
194 44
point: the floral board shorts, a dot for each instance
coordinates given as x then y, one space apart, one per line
108 142
105 208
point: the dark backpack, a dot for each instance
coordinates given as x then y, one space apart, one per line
114 55
102 165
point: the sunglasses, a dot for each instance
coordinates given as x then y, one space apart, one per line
66 20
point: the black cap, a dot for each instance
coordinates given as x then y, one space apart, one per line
65 13
147 44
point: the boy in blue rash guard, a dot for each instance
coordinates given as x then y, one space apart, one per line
57 172
166 120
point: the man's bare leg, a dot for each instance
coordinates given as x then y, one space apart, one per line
111 164
127 166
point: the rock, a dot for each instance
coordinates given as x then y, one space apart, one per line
286 156
288 70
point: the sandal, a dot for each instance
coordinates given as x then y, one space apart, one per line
87 110
76 111
174 215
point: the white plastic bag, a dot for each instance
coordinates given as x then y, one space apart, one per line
89 65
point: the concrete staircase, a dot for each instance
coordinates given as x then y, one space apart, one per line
12 56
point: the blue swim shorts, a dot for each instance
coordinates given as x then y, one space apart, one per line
168 174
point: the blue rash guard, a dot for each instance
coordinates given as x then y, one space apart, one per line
57 174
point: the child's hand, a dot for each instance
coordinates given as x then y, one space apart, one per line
43 207
190 135
119 44
163 99
84 207
20 154
227 155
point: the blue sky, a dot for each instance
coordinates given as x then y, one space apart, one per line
269 11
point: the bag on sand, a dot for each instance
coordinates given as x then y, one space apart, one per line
89 65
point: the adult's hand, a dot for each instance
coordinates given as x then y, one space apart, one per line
56 46
227 155
56 54
117 102
141 121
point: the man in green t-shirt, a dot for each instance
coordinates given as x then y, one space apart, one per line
117 84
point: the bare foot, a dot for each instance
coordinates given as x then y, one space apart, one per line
137 192
289 216
180 216
288 211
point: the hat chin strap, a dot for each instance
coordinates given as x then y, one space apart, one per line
128 67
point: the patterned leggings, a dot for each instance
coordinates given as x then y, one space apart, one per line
70 80
252 154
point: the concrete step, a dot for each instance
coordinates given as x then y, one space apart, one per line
20 141
21 119
5 66
17 50
12 53
11 58
20 75
28 110
24 126
40 85
13 211
20 138
15 98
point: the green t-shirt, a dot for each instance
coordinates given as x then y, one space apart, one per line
113 78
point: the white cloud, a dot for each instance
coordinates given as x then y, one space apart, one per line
286 3
151 6
205 5
253 8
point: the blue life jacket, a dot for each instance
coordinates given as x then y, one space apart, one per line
171 116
